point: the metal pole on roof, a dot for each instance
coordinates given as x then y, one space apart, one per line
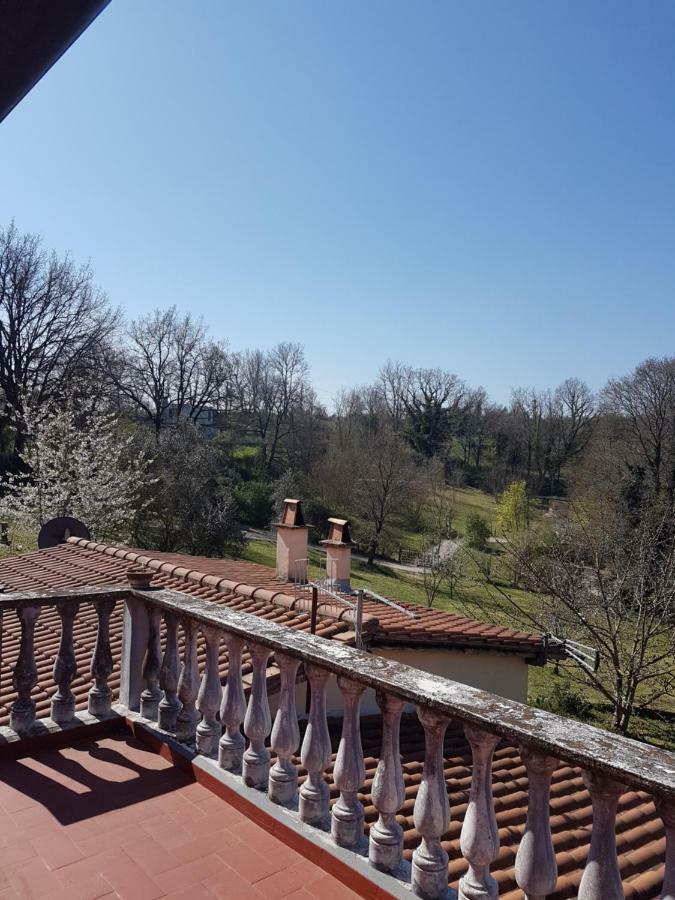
312 630
359 620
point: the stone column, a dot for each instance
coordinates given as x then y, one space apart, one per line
479 841
315 751
385 848
168 675
210 693
602 879
65 666
188 685
24 677
349 772
100 695
257 722
233 708
283 784
431 813
536 867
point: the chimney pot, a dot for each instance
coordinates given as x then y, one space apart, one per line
292 540
339 554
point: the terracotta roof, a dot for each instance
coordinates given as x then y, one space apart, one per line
427 627
69 565
248 587
640 834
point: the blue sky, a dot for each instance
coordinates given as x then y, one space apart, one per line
485 187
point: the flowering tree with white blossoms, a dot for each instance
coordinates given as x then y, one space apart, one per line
79 464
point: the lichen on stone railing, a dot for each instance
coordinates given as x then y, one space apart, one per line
168 688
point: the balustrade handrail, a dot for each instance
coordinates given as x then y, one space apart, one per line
630 762
614 756
13 599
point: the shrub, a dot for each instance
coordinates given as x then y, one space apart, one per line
565 701
477 531
255 502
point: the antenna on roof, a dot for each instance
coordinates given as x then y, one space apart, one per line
57 531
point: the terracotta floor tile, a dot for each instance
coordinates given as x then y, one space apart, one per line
150 856
189 874
87 889
31 879
130 881
329 888
16 853
56 849
166 832
90 866
288 880
252 866
193 892
229 885
34 822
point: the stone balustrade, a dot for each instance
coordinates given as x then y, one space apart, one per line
162 679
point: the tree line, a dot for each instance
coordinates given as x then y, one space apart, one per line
156 433
371 456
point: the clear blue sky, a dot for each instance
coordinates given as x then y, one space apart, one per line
486 187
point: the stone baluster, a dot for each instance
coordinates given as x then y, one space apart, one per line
255 768
65 665
315 751
536 867
602 879
479 841
667 812
386 835
151 666
283 784
100 695
349 772
431 813
233 708
24 678
210 693
188 685
168 675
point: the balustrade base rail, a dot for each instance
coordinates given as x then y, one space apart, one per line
58 734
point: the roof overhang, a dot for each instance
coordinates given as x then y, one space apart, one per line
33 35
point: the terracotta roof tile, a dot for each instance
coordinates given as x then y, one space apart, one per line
427 626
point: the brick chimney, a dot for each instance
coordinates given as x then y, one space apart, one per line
292 538
338 554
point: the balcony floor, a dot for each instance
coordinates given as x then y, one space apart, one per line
110 818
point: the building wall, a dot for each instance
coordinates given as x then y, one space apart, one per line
500 673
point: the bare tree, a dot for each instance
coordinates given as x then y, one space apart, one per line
611 586
170 363
53 324
271 387
392 385
644 405
386 472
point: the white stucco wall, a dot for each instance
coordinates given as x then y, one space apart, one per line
500 673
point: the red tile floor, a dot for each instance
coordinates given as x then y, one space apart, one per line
110 818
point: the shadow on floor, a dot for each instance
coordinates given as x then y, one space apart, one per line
83 765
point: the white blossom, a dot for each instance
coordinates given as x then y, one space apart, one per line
78 464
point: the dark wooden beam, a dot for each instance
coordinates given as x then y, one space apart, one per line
33 35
